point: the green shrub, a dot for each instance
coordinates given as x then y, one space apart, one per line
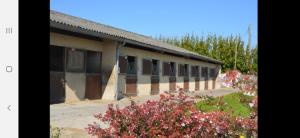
55 132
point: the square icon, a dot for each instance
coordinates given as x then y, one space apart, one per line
9 68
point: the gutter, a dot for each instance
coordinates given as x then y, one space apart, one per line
117 70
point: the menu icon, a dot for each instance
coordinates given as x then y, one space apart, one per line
9 30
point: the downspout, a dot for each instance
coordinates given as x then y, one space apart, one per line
117 70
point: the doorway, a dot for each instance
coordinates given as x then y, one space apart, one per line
131 76
57 74
93 88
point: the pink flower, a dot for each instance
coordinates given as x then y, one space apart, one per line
167 118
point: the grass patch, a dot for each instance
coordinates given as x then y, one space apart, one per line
237 104
55 132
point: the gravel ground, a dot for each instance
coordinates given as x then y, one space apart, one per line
79 115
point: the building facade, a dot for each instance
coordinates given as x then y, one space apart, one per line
89 60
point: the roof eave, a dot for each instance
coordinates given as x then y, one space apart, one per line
83 31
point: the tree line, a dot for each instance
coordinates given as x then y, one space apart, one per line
220 48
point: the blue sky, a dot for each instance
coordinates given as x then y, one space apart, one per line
168 17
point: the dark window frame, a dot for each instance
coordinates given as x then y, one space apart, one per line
153 73
120 67
186 70
183 70
95 68
204 71
150 66
72 69
165 72
55 63
195 71
135 66
170 72
213 72
180 70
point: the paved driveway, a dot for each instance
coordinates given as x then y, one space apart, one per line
78 115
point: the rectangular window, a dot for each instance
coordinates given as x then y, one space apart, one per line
183 70
166 68
75 60
131 65
173 69
155 67
146 67
180 70
122 64
195 71
204 72
93 62
186 70
57 58
212 73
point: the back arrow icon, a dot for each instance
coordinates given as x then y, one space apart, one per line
8 107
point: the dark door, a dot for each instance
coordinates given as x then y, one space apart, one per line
186 84
57 74
57 87
131 85
197 84
214 83
131 76
93 89
206 83
204 74
172 84
154 85
155 77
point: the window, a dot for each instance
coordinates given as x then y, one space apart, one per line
127 65
122 64
204 72
131 65
180 70
169 69
166 68
57 58
195 71
186 70
173 69
146 67
155 67
93 62
183 70
75 60
213 73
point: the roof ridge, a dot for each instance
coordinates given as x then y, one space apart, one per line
57 12
63 18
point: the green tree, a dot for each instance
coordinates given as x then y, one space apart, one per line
254 59
220 48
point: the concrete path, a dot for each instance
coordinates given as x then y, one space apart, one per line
79 115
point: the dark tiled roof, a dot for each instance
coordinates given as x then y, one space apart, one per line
82 25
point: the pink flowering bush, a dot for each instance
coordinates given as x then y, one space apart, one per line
253 103
169 117
230 78
246 83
